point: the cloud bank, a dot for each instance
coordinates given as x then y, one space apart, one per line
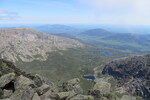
127 11
6 15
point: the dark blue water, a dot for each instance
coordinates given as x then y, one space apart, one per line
104 53
89 77
118 56
107 54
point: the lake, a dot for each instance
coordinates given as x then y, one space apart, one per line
89 77
107 54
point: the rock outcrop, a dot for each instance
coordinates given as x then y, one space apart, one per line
132 73
15 44
18 85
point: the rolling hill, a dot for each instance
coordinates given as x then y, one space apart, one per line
48 55
128 42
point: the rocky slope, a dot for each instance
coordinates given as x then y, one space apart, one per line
132 74
18 85
28 45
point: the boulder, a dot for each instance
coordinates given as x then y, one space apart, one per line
66 95
36 97
82 97
95 93
1 93
43 89
72 85
6 99
40 80
24 93
5 79
127 97
7 93
46 94
47 99
23 82
103 87
74 81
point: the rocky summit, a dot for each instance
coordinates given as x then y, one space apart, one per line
28 44
132 74
18 85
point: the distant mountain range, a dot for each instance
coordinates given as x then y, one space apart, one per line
137 43
128 42
57 29
95 32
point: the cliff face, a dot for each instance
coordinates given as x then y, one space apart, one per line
28 44
132 73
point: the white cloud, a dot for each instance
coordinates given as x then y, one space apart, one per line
122 11
6 15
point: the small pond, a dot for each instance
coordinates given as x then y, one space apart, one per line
107 54
89 77
104 53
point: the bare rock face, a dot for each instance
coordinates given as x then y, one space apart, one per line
28 45
18 85
132 73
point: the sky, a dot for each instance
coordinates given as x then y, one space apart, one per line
130 12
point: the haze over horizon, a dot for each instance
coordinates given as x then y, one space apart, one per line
125 12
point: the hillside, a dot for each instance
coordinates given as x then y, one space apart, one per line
132 74
49 55
95 32
19 85
128 42
27 44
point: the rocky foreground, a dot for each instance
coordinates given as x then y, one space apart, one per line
18 85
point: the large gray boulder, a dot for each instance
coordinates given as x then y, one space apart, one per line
25 93
82 97
128 97
43 89
103 87
36 97
72 84
5 79
23 81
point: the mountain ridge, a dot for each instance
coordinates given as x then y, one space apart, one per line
15 43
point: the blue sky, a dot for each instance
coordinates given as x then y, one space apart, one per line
75 12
